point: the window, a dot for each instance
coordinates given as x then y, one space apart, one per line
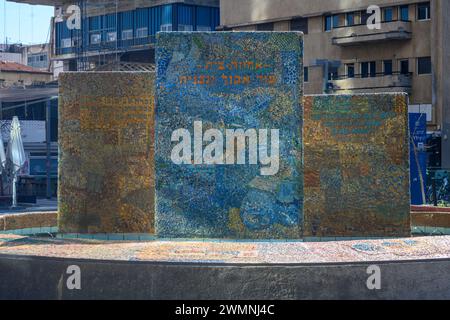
203 28
76 41
127 34
38 166
350 70
111 36
423 11
368 69
264 27
166 27
39 60
404 13
141 32
357 17
336 21
300 24
328 23
424 65
331 22
373 68
387 67
66 43
185 27
364 70
350 19
96 38
333 73
364 17
306 74
388 14
404 66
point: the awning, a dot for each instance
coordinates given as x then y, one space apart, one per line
19 94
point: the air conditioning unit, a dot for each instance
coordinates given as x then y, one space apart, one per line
59 17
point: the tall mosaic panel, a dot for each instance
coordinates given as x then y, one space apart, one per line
356 166
106 164
228 128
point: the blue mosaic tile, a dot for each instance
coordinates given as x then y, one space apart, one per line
210 86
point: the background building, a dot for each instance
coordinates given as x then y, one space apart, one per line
409 53
16 74
36 107
113 35
36 56
12 53
121 31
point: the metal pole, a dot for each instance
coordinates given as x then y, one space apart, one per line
433 185
14 186
1 118
48 145
325 78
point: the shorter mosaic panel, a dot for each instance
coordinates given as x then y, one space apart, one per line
106 165
356 160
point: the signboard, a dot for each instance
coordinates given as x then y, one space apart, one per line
418 156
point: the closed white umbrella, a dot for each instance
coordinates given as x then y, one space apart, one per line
16 154
2 161
2 155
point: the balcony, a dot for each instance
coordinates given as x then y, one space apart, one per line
133 44
381 82
361 34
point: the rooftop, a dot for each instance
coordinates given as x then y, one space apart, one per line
20 94
9 66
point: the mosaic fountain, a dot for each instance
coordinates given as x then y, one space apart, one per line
221 163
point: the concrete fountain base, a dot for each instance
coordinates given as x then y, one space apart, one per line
412 268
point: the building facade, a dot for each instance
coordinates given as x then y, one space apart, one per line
408 53
342 54
112 31
16 74
38 56
120 31
36 107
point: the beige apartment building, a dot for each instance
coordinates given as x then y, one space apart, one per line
409 53
14 74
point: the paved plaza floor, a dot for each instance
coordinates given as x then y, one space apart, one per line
232 252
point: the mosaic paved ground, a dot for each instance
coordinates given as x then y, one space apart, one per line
233 252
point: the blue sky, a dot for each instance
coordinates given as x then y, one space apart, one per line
24 23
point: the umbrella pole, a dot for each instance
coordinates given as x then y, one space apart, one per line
14 199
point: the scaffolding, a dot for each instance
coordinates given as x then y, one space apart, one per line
114 31
106 54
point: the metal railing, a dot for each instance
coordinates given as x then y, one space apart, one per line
370 75
438 187
365 24
119 45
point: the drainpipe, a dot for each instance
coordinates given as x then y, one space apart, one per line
48 149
